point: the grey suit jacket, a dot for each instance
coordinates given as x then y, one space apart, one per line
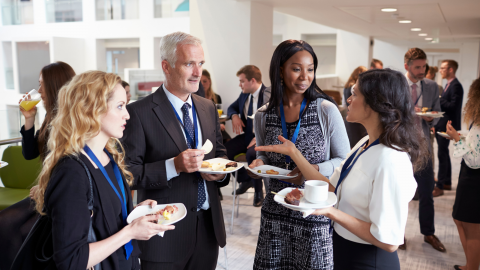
152 136
431 100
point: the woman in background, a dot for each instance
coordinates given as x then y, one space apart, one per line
355 131
17 220
126 86
466 210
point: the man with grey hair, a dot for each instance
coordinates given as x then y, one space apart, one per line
162 142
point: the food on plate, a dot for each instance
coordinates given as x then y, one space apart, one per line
272 172
231 164
218 167
229 169
433 112
293 197
424 109
166 213
205 164
207 146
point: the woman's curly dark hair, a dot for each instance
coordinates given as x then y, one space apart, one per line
387 92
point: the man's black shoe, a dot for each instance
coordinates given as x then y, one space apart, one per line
243 187
258 199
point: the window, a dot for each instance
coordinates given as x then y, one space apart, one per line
64 11
16 12
116 10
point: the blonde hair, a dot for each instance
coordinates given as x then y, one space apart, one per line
354 76
81 104
170 42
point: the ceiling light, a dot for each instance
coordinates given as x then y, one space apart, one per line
389 9
416 29
405 21
428 38
423 34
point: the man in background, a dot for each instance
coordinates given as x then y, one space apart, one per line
376 64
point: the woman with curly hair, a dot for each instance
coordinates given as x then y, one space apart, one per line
91 116
375 183
466 210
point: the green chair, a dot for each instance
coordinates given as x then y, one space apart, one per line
17 177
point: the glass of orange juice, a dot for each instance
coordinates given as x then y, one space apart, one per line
30 100
219 109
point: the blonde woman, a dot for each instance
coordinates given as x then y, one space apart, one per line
91 117
355 131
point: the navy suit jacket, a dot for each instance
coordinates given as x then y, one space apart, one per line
237 106
451 103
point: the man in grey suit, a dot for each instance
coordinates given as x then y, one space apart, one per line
424 93
162 142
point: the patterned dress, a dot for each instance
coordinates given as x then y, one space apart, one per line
287 240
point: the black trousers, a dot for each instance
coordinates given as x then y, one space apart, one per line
203 255
426 183
348 255
444 164
237 146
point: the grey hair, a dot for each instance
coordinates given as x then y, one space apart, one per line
169 43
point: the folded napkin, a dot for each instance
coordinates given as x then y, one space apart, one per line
308 212
161 234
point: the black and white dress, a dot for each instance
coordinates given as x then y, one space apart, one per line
286 239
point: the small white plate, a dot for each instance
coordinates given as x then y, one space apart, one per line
221 161
251 116
304 204
144 210
445 135
3 164
223 116
430 114
282 173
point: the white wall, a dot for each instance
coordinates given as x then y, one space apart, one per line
390 54
352 52
31 57
69 50
291 27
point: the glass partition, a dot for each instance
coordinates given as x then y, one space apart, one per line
8 64
64 11
171 8
142 81
116 10
16 12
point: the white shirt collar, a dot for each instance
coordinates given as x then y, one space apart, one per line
176 102
418 83
257 92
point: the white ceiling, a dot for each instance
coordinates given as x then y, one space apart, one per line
446 20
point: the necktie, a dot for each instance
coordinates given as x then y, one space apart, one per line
414 100
188 126
249 130
446 86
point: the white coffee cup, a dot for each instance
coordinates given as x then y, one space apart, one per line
316 191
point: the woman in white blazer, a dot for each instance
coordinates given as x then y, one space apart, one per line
375 183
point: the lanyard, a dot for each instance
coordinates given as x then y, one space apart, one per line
297 129
193 142
128 246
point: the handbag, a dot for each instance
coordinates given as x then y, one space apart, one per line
36 251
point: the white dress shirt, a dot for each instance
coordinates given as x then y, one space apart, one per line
169 163
377 190
255 103
419 91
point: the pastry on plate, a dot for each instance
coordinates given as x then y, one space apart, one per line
294 197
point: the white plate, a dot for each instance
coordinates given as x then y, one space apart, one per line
430 114
251 116
304 204
3 164
221 161
144 210
282 172
445 135
223 116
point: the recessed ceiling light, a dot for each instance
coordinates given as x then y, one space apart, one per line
389 9
416 29
423 34
405 21
428 38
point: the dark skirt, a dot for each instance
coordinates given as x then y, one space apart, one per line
16 222
467 199
348 255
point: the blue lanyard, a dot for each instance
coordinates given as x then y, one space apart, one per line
193 142
128 246
346 167
297 129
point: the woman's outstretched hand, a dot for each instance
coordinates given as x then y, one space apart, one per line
286 148
452 132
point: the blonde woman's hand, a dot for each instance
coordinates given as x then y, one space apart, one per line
286 148
144 228
452 132
28 114
32 191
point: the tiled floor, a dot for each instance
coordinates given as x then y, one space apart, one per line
242 243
